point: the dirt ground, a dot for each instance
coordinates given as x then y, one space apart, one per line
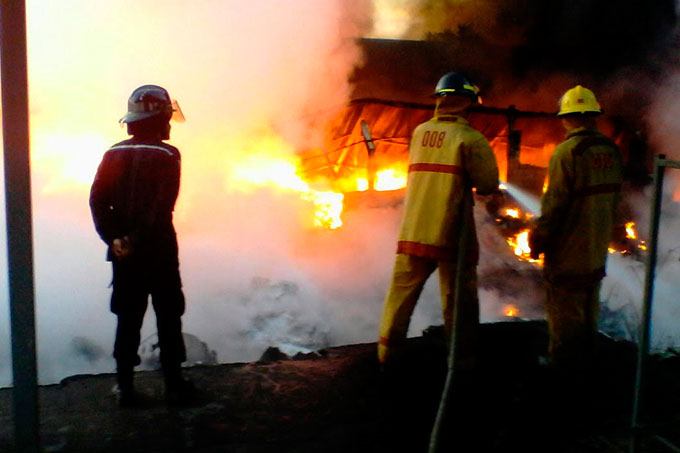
338 400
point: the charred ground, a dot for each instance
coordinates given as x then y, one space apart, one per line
337 400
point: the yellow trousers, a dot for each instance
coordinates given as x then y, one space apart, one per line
572 323
410 275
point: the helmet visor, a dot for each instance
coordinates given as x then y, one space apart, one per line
177 114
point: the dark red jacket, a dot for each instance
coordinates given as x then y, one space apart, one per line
134 194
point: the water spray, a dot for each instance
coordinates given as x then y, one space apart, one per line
528 201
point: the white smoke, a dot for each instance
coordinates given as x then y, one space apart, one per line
241 71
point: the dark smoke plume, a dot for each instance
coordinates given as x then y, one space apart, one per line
527 52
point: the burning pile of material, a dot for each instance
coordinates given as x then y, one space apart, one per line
515 224
627 241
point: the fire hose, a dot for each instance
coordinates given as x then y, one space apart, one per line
449 387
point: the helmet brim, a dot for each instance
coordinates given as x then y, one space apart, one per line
579 114
133 117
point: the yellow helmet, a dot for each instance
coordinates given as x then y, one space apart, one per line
578 100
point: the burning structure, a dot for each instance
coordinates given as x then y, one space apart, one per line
520 66
518 60
366 144
254 186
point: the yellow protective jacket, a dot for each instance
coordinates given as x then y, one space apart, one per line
578 208
447 157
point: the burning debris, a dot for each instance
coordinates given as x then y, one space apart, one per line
511 311
627 242
515 224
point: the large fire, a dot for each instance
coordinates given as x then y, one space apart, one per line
274 164
281 171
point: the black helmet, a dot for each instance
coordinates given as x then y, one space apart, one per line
148 101
455 83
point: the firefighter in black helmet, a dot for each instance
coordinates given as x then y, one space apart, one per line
447 158
132 200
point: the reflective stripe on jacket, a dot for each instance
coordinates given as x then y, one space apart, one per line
134 194
446 157
578 208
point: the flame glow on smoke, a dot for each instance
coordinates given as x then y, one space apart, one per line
243 211
277 167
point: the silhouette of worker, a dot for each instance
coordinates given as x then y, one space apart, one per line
132 200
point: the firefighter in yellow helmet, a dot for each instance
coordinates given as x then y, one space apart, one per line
575 228
447 158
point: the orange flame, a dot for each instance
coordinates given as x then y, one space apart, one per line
512 212
630 230
386 179
275 166
511 311
520 246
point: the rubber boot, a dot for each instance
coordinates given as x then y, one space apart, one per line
178 391
126 390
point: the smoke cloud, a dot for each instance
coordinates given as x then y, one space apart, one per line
528 52
254 80
258 81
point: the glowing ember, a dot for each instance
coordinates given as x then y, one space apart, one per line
520 246
630 230
611 250
511 311
512 212
545 185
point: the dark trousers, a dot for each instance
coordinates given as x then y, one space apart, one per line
134 280
572 322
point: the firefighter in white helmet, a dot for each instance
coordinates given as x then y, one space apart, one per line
132 199
575 228
447 159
